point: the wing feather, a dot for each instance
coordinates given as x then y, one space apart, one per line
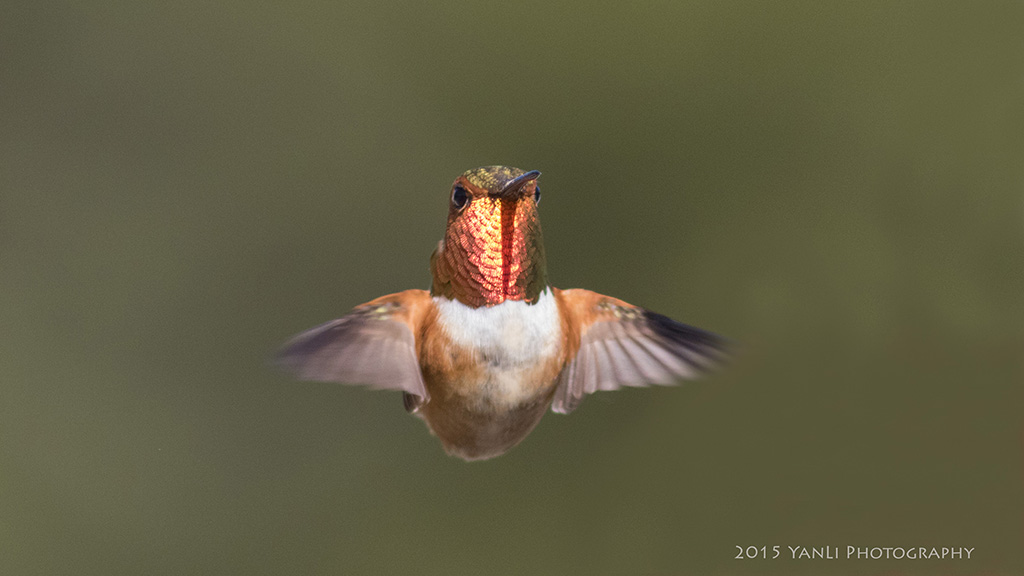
373 346
622 345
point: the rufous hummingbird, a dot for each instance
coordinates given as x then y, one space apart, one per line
482 355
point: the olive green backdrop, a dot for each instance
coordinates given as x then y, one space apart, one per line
184 185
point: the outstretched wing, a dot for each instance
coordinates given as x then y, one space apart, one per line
373 345
625 345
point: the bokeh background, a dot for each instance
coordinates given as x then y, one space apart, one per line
184 185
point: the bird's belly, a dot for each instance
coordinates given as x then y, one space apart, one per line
486 418
496 388
493 377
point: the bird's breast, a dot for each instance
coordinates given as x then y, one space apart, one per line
511 349
490 371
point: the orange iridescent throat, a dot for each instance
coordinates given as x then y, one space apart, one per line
492 250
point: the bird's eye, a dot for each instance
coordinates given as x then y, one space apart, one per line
459 197
536 195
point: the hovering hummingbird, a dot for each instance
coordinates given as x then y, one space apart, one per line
482 355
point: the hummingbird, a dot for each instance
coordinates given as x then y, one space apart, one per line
483 354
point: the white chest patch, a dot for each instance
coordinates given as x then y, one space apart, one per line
513 339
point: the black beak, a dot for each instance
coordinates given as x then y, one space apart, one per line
512 188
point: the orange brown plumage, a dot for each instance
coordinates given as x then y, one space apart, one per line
491 347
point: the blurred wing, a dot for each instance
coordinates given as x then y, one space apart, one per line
373 345
625 345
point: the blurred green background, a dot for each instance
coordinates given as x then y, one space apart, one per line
186 185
